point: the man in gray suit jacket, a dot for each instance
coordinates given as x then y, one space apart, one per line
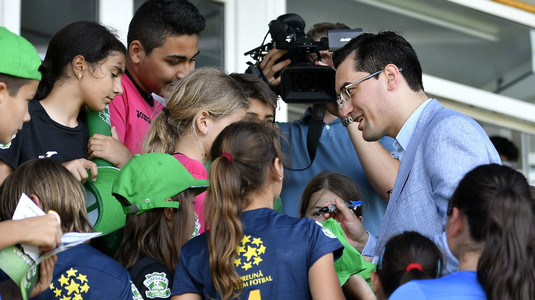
379 79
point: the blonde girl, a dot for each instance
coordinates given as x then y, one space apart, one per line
200 106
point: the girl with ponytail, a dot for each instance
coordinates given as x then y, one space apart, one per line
250 251
405 257
200 106
490 229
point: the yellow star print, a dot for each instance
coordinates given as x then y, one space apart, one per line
72 272
246 239
257 241
72 287
82 278
246 266
250 253
237 262
57 292
66 298
257 260
84 288
261 249
240 249
77 297
51 286
63 280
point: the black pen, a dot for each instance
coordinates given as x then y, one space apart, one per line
332 208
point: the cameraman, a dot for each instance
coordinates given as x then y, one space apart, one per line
335 151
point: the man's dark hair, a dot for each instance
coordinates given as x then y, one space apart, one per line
155 20
374 52
13 83
320 30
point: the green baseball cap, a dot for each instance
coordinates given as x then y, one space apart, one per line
147 180
19 57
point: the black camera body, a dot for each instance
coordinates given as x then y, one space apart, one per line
302 81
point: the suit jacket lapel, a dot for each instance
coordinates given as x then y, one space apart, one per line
429 112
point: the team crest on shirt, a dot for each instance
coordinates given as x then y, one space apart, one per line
157 285
326 231
71 285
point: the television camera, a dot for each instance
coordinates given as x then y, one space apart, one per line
302 81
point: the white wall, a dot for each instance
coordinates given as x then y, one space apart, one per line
116 14
246 24
10 15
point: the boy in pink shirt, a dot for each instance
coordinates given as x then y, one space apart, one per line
162 47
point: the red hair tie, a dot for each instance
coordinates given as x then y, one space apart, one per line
228 156
414 266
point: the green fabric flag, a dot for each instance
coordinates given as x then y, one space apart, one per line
351 261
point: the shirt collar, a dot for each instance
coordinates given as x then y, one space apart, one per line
147 97
405 134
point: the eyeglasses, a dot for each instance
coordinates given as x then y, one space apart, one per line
348 88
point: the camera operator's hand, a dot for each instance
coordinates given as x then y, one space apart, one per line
270 67
342 113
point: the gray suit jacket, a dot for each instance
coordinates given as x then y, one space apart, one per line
444 147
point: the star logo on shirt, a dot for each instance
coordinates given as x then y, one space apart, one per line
70 285
248 252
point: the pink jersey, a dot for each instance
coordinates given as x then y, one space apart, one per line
198 171
131 115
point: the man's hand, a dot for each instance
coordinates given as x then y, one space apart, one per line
269 66
79 167
109 148
356 234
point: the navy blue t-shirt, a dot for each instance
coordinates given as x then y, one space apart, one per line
82 272
273 259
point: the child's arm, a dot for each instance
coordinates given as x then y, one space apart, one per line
357 288
79 167
322 279
109 148
43 231
46 272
